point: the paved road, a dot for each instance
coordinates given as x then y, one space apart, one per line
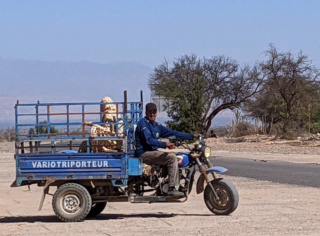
275 171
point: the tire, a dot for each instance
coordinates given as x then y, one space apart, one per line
96 209
228 194
71 202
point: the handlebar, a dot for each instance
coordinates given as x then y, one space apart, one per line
181 142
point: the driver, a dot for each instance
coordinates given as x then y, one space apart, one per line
147 136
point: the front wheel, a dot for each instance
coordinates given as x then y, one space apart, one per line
228 197
71 202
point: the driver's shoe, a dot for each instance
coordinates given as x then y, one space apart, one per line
175 193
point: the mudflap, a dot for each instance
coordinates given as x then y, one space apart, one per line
14 184
45 192
201 180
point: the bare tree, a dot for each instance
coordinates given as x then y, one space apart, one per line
7 134
228 86
293 79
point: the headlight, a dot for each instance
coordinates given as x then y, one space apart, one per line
207 152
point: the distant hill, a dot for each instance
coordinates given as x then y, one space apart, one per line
30 81
61 81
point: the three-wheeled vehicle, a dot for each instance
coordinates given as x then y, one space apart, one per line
86 150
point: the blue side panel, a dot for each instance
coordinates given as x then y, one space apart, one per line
134 166
80 166
185 159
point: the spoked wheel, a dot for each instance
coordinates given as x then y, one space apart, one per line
97 208
228 197
71 202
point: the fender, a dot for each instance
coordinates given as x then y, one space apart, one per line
200 182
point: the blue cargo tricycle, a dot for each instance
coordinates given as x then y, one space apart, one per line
86 151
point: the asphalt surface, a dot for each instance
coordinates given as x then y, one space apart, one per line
275 171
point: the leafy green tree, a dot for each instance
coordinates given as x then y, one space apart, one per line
31 131
265 107
198 89
183 86
43 128
314 118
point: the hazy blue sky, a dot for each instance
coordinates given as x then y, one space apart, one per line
150 31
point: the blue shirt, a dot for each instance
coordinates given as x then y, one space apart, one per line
147 136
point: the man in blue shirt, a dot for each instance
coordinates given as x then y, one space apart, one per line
147 136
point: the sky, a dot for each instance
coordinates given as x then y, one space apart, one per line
150 32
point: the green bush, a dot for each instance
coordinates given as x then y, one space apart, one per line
290 135
315 127
243 129
42 129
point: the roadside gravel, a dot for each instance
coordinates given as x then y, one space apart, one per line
6 147
289 151
307 147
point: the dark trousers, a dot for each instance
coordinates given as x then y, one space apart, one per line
167 159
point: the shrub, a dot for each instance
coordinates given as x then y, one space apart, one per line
243 128
7 134
315 127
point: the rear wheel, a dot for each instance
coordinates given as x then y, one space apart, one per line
97 208
71 202
228 197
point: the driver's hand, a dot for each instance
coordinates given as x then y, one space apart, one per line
196 135
170 145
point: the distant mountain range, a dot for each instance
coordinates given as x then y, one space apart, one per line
30 81
59 81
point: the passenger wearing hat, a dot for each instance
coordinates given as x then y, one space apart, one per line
147 136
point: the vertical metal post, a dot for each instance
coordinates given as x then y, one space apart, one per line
101 111
22 147
30 147
133 110
53 147
16 119
116 128
141 96
83 120
37 145
141 105
48 120
125 115
68 120
125 105
37 118
88 145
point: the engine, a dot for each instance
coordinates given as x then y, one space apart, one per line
153 173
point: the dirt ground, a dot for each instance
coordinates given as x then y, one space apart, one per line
265 208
